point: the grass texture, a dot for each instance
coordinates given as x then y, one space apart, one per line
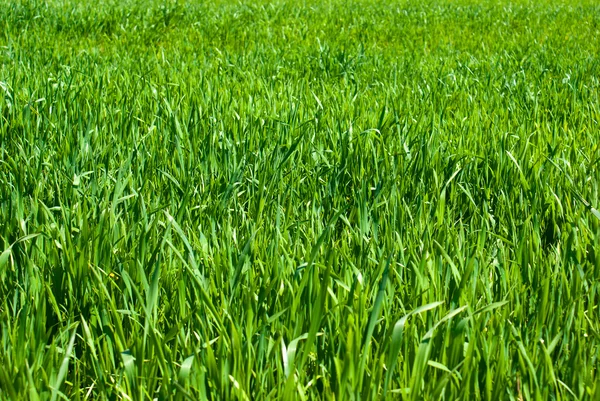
335 200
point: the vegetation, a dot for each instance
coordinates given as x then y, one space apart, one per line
336 199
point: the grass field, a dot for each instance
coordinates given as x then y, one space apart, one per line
337 200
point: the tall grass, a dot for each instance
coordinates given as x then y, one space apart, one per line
299 200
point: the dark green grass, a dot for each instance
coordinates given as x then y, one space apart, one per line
299 200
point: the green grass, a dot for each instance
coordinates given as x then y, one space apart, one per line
299 200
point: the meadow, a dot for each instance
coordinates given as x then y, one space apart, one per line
299 200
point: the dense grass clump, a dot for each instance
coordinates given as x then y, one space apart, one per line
334 200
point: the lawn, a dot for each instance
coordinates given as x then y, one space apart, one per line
299 200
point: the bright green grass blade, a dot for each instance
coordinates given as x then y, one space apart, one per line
396 341
374 316
62 373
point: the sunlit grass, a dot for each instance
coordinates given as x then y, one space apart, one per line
299 200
